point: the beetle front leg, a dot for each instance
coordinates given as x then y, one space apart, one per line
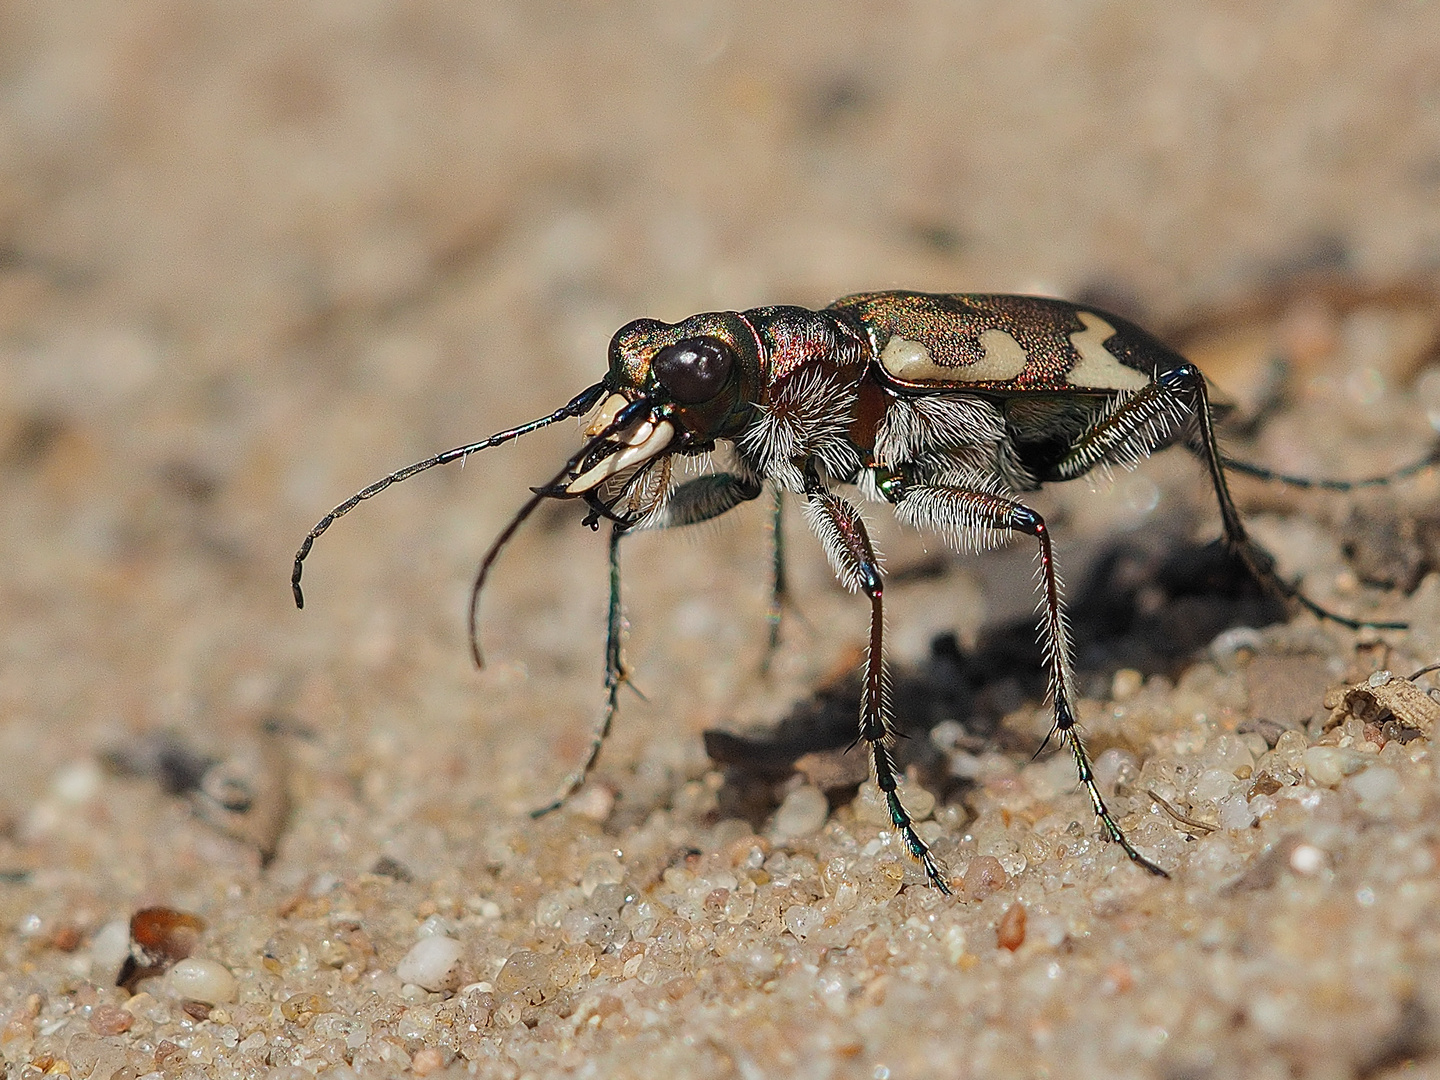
972 519
842 533
697 500
702 499
615 677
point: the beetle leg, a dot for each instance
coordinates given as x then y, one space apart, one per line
710 496
615 677
701 499
842 533
697 500
779 585
1189 384
1133 428
1404 472
965 518
1145 421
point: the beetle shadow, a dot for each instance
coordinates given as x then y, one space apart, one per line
1145 602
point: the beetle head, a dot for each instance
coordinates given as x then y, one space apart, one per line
698 378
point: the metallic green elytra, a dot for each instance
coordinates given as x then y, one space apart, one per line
945 407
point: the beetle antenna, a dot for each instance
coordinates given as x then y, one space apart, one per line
582 403
625 418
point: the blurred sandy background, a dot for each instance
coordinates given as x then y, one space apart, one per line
253 256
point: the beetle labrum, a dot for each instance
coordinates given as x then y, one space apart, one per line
945 407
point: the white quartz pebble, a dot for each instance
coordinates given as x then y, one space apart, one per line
802 813
202 980
430 962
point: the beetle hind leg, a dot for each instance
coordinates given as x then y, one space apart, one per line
1178 402
969 519
1188 384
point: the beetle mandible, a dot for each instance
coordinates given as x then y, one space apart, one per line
946 407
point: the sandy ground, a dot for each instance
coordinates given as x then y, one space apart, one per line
253 256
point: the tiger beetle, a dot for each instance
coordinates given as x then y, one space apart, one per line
946 407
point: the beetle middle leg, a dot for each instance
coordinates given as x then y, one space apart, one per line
779 585
974 518
842 533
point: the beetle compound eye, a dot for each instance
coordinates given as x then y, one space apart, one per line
693 370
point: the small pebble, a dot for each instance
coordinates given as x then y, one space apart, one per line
430 963
77 782
1325 765
108 949
527 973
303 1008
1307 859
802 813
165 936
869 805
434 926
984 876
1376 785
1126 684
1010 933
110 1020
1234 812
201 980
594 801
1212 785
427 1059
803 920
918 801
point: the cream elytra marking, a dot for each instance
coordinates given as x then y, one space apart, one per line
1005 358
916 400
1098 367
910 361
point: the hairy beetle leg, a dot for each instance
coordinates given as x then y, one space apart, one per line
957 513
692 502
842 532
1057 640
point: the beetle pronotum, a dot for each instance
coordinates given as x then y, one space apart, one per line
943 406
